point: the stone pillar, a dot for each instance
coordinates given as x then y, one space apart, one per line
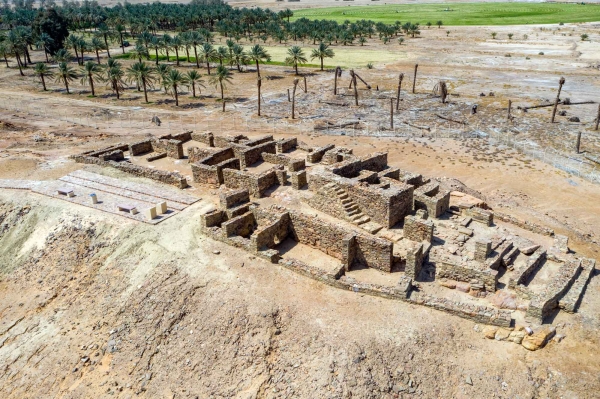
482 249
416 229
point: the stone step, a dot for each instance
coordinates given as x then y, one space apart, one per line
371 227
343 196
347 201
363 220
357 216
509 258
350 207
353 212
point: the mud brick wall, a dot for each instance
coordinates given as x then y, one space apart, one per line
140 147
317 153
465 272
480 215
256 184
476 313
272 234
430 197
173 148
205 137
521 274
542 304
285 145
251 155
375 162
231 198
417 229
414 261
298 179
242 225
116 155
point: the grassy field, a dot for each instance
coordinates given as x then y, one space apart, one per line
454 14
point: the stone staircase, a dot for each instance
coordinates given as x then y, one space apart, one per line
351 209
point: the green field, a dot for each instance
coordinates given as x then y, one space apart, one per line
460 13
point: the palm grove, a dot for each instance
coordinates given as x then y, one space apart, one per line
177 33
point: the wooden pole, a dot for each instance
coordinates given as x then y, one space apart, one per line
399 88
355 86
578 142
289 99
391 113
258 83
415 78
223 105
305 86
509 107
597 118
337 72
561 82
294 99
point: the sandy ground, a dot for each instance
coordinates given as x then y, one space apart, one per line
94 305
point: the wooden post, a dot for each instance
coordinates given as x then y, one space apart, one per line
338 71
294 99
391 113
509 107
353 81
415 78
289 99
597 118
561 82
258 83
305 86
223 105
578 142
399 88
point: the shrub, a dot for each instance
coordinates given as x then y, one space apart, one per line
370 65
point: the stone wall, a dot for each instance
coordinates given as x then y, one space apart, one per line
256 184
431 198
212 175
521 274
140 147
348 169
272 234
173 148
316 154
524 224
467 272
205 137
414 261
250 155
417 229
375 162
285 145
542 304
298 179
570 302
231 198
115 155
292 164
242 225
480 215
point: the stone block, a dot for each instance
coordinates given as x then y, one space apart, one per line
151 213
162 207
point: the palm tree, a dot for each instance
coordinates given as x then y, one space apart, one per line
65 75
162 70
295 56
176 44
16 44
239 56
222 54
174 79
138 52
156 44
193 79
143 75
323 51
90 70
195 38
105 32
43 72
62 55
73 41
258 54
4 51
221 77
97 45
166 44
44 42
121 31
114 77
208 52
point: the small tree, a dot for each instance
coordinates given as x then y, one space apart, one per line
429 25
43 72
114 77
494 34
295 56
510 36
90 70
193 79
321 52
362 40
400 40
439 24
584 37
65 75
221 78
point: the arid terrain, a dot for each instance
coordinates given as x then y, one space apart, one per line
95 305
